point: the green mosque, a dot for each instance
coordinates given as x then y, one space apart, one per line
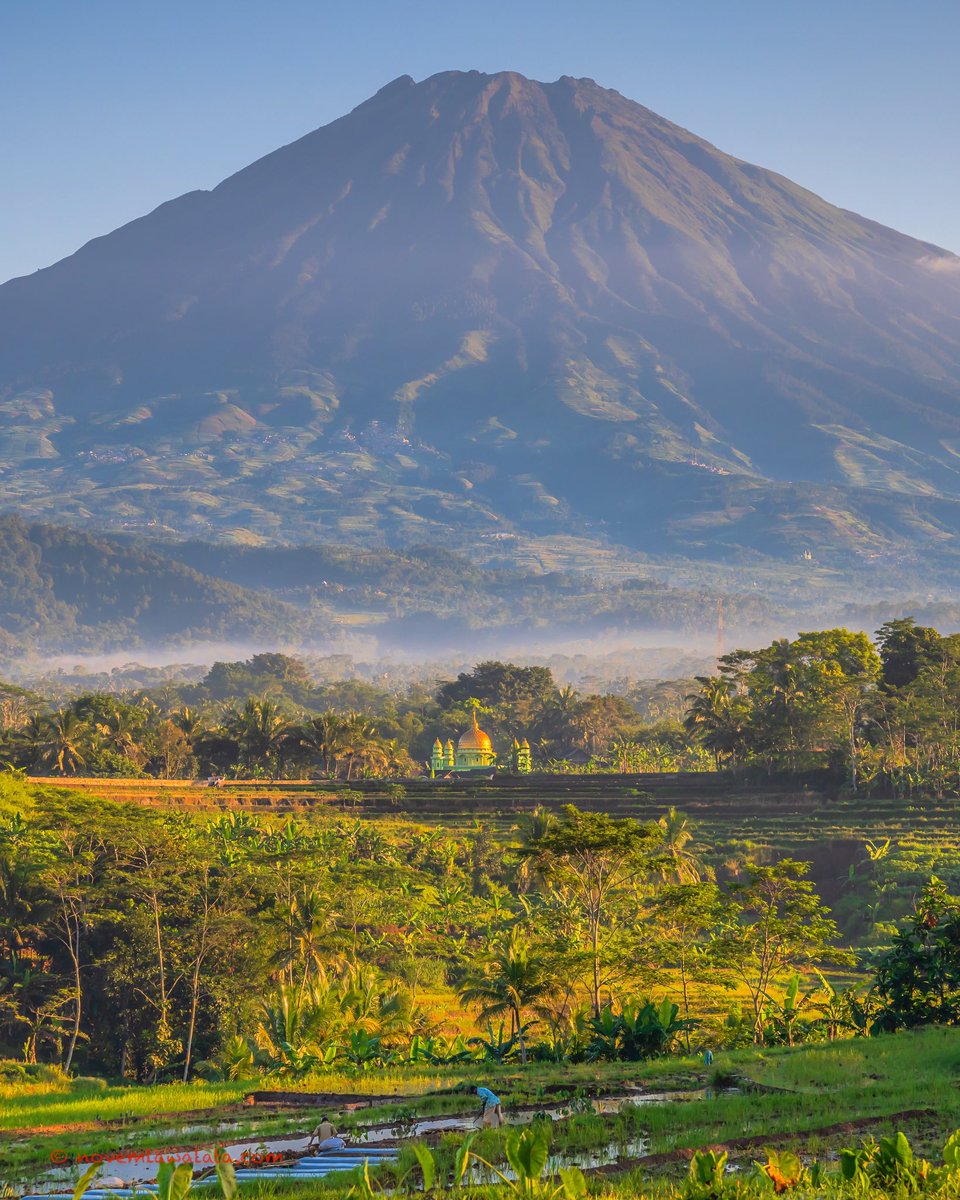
474 752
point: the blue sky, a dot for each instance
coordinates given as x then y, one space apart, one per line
110 107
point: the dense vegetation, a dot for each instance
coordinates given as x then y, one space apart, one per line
148 944
268 717
61 589
887 719
881 719
65 590
341 952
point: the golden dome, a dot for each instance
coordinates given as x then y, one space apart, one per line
474 738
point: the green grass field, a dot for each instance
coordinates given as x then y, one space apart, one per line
813 1099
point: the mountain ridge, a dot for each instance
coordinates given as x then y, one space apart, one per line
484 306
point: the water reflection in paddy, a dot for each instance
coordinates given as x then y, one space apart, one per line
260 1151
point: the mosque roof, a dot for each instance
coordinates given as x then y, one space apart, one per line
474 738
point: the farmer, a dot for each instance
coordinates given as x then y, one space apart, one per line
492 1111
324 1137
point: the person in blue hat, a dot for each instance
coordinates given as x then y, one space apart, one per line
492 1112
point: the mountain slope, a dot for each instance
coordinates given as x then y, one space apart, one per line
487 306
67 591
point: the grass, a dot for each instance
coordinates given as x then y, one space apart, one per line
811 1098
25 1106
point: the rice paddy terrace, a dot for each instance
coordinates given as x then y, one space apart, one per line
814 820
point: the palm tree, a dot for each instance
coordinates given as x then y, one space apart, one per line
679 860
532 828
307 921
59 742
511 981
189 722
324 738
785 691
374 1006
123 736
399 761
358 734
559 714
261 732
713 716
372 757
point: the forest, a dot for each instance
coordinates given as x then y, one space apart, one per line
154 945
879 716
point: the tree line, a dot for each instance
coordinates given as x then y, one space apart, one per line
880 715
267 717
885 715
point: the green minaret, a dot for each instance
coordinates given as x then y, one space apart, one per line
436 758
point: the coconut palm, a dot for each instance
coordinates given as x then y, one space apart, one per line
123 735
324 738
510 983
359 737
189 722
559 716
372 757
59 742
261 732
713 716
307 921
680 861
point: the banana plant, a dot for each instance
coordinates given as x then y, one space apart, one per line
641 1029
438 1051
365 1050
495 1047
782 1013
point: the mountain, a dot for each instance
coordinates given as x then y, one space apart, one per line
484 312
65 591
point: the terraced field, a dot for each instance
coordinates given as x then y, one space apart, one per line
812 820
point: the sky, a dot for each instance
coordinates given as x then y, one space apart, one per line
110 107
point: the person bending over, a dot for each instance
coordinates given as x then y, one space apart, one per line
492 1111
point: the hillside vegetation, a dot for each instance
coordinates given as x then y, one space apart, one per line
63 590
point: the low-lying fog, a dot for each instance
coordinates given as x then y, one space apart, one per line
650 655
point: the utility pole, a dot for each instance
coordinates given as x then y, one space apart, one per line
720 646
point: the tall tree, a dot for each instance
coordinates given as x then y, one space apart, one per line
776 923
716 716
918 978
261 732
596 857
686 916
905 649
